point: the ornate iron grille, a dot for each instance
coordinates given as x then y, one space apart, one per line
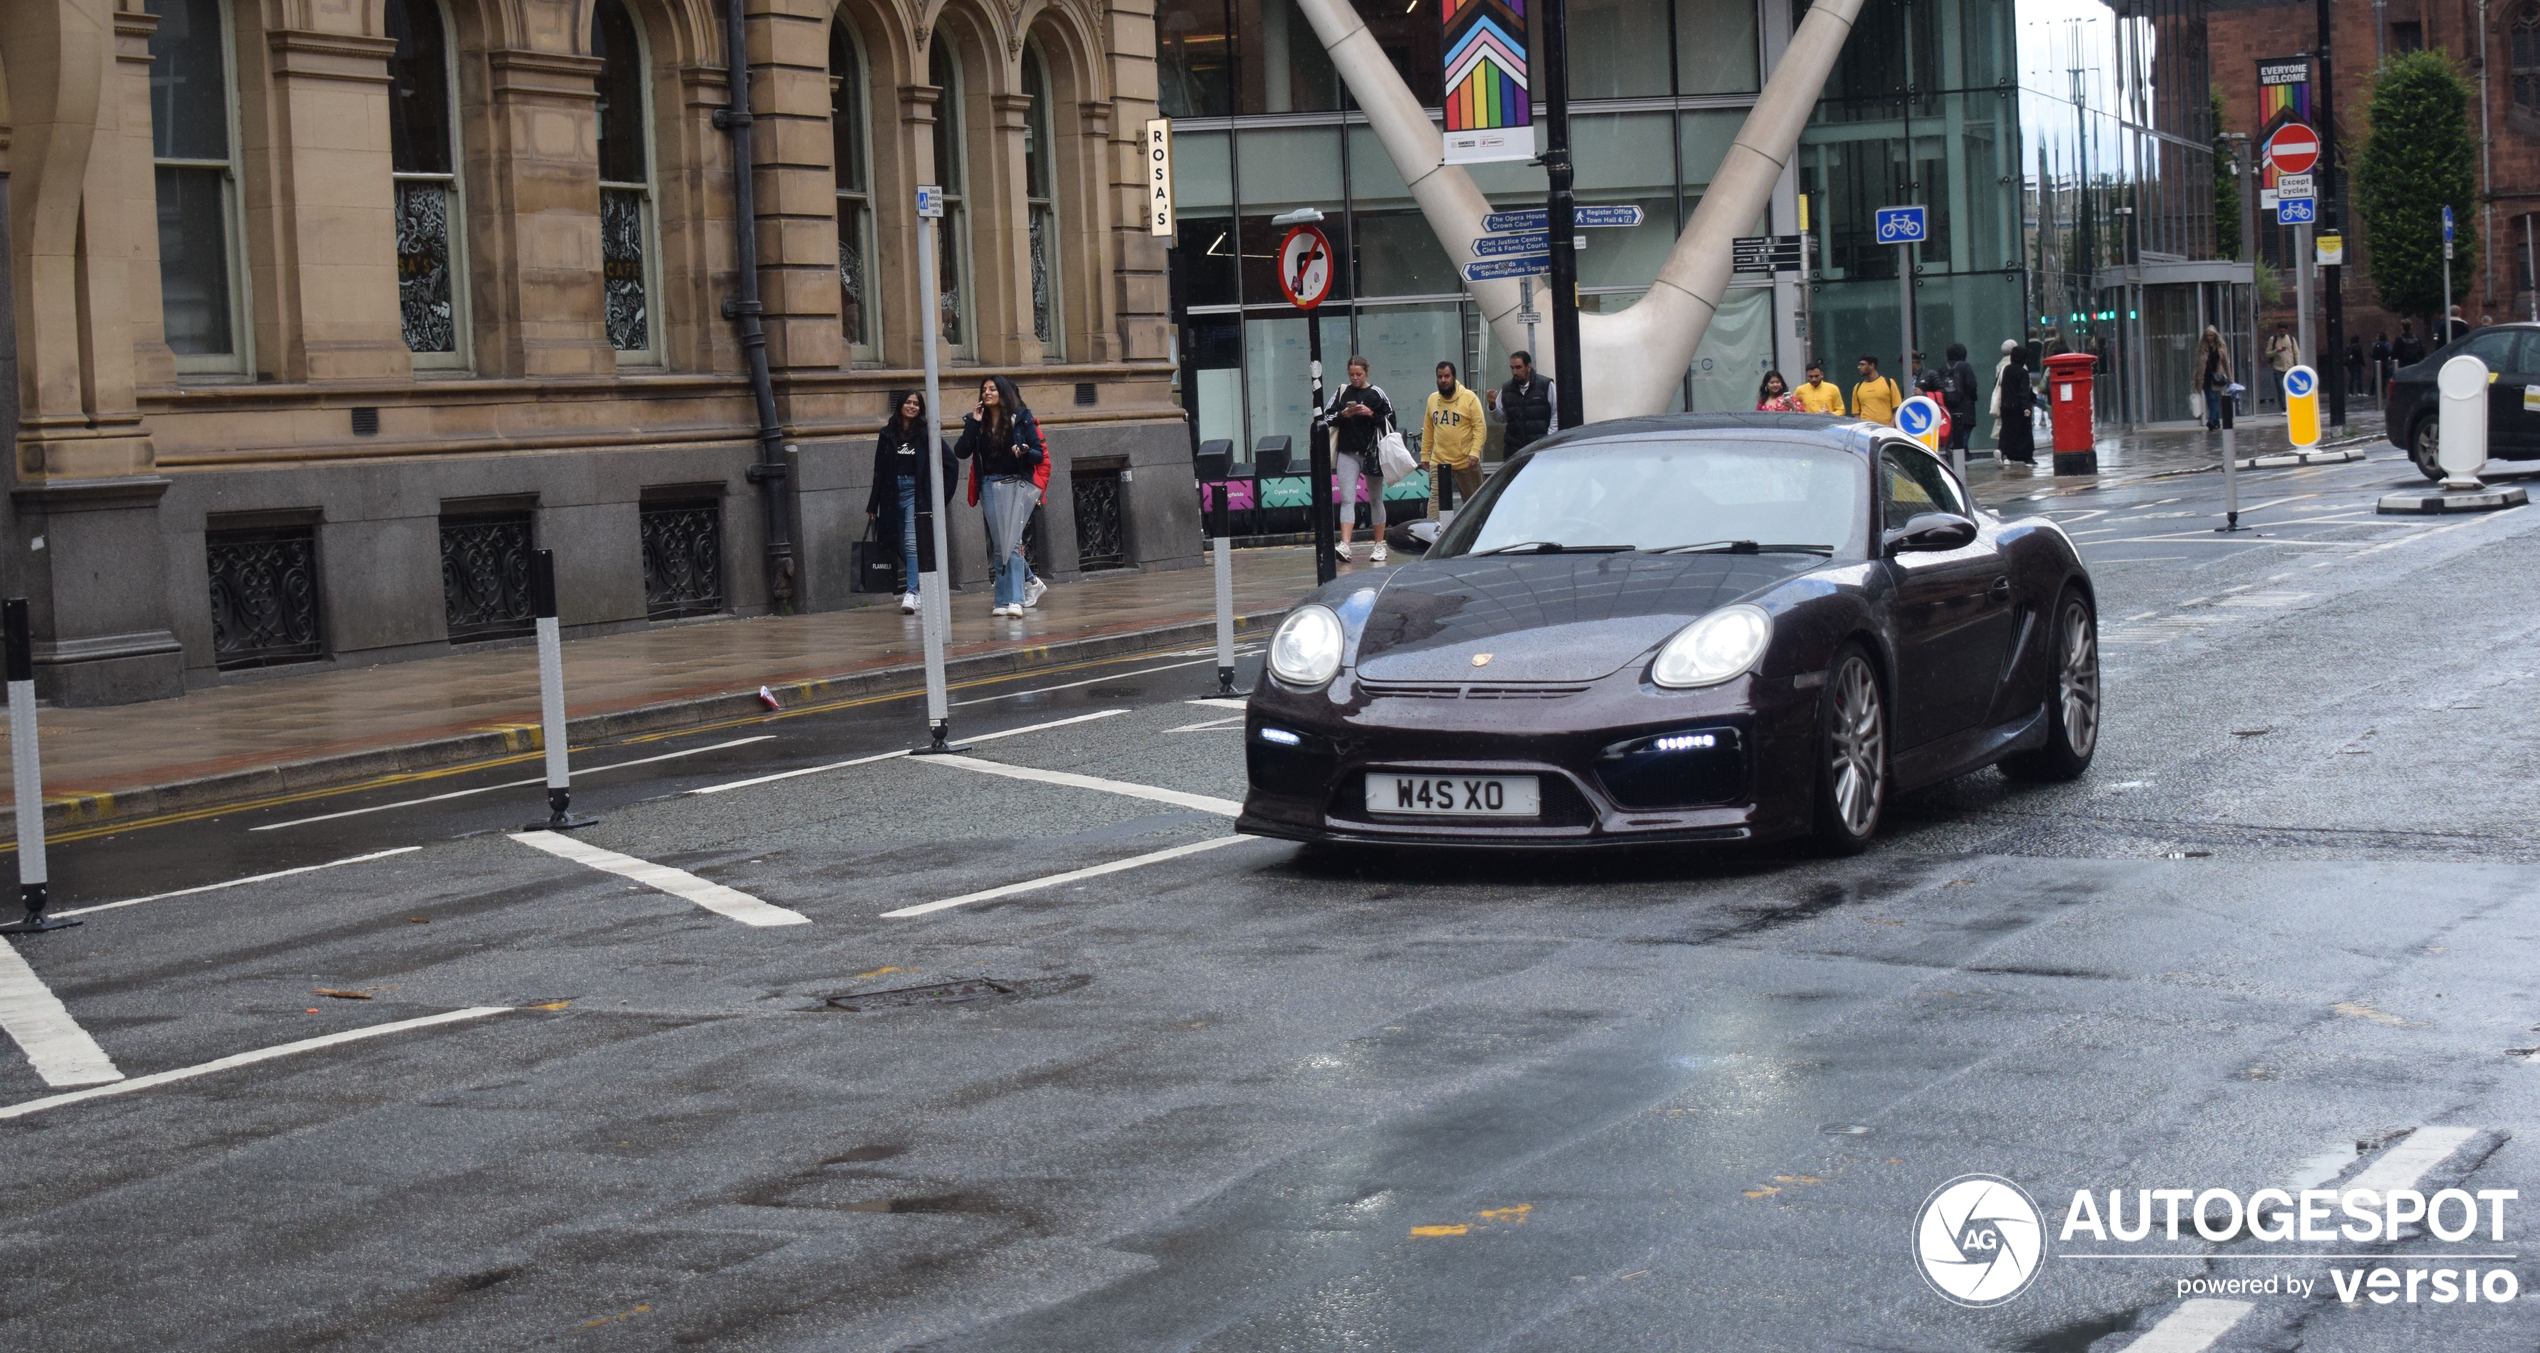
485 577
683 559
264 597
1041 227
850 280
1098 536
622 266
423 266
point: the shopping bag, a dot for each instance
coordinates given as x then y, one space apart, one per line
2196 405
876 565
1393 457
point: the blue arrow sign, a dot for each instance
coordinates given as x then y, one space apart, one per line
2298 382
1916 417
1499 222
2296 210
2447 225
1494 246
1901 225
1531 265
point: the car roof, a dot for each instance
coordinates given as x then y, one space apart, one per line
1827 430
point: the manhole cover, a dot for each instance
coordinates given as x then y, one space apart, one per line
970 991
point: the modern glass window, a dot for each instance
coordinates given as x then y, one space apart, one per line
952 232
1194 61
423 153
851 153
194 149
1039 172
626 183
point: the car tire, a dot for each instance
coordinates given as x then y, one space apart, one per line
2424 448
1852 771
2073 709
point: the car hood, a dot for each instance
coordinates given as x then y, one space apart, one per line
1555 617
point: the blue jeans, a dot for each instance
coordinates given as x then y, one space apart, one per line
908 533
1008 500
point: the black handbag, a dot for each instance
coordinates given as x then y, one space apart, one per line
876 563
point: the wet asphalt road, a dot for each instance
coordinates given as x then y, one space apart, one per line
1258 1097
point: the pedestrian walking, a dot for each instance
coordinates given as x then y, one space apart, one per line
1525 404
2407 349
1451 437
2280 359
2213 379
1817 394
2015 404
2354 364
2454 327
1359 415
903 496
1875 399
1771 397
1009 463
2380 364
1958 395
2010 349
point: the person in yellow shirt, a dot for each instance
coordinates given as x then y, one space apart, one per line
1451 436
1876 398
1819 395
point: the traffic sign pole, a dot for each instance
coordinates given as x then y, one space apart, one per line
1561 206
1305 273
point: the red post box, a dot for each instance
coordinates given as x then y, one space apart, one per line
2068 395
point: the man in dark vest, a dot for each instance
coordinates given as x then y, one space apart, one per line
1525 405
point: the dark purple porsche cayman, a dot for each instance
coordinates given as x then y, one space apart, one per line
1684 628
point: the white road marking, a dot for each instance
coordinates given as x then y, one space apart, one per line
1089 681
885 756
235 883
714 897
23 1108
2192 1328
1220 702
507 784
2403 1165
1211 726
1202 802
61 1051
1071 876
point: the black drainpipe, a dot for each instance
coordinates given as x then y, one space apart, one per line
769 470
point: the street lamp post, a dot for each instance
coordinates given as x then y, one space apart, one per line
1561 217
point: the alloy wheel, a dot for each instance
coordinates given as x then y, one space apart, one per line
2078 682
1858 759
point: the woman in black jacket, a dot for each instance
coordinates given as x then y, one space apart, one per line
2018 442
902 491
1003 443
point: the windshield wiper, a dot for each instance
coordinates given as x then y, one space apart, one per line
1744 547
1550 547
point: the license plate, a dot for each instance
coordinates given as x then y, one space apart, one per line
1455 795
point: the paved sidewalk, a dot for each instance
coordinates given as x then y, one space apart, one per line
285 734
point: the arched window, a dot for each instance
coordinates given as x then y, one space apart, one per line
1040 156
852 155
952 232
194 149
423 153
2526 58
626 182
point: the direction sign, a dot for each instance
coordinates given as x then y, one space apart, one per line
1489 269
2293 185
2296 210
1923 419
1496 246
2293 149
1901 225
1766 253
2447 223
1501 221
1305 267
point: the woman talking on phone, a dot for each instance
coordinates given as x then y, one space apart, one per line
1359 415
1003 445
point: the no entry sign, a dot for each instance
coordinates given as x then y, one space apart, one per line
2293 149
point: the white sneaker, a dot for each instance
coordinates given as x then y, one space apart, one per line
1377 555
1343 548
1014 612
908 603
1032 591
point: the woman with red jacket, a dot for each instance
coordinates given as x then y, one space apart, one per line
1002 442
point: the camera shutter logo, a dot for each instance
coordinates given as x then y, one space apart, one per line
1979 1240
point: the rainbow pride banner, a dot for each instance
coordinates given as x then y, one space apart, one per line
1489 113
2284 95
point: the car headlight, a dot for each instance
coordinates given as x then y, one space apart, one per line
1711 650
1307 649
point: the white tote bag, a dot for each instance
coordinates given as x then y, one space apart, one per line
1393 456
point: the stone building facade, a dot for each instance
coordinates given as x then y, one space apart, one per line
328 311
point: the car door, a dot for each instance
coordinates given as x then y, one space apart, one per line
2513 410
1953 607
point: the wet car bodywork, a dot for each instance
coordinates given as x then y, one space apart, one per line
1539 664
2512 354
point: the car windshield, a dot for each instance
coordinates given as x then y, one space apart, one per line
1665 495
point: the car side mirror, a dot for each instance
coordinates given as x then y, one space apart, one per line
1931 531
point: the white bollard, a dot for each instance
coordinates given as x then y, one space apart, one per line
26 774
542 602
2462 385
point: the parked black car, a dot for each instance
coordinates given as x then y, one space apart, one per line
2512 352
1716 627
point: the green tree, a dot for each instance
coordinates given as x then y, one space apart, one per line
2418 158
2226 188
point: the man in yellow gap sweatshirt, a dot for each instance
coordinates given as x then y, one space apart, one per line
1875 399
1451 437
